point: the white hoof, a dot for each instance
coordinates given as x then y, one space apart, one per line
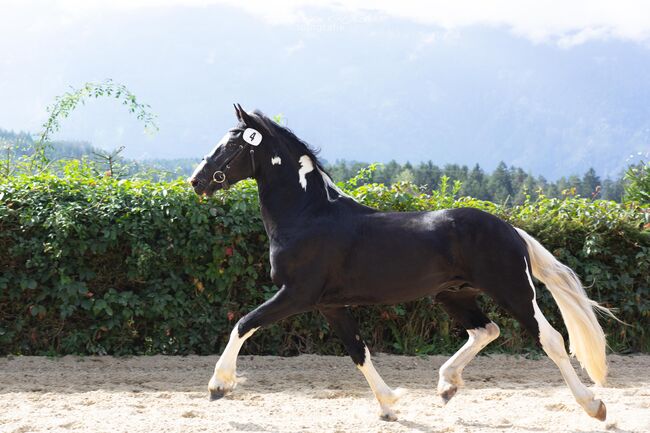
386 403
221 383
387 415
596 408
447 387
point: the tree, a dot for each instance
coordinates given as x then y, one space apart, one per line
613 189
405 175
429 174
638 183
500 184
591 185
389 172
476 184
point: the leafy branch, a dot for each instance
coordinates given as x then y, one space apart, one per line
112 161
638 183
65 104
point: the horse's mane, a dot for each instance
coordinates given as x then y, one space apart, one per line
285 133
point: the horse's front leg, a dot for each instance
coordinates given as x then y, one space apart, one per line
285 303
344 325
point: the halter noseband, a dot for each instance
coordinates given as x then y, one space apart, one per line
220 176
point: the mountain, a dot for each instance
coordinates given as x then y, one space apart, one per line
22 143
364 88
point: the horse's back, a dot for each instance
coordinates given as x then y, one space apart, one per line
399 256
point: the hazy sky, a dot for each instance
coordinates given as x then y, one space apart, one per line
453 81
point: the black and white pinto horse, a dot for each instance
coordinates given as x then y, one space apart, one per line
328 252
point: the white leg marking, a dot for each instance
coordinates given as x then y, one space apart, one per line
224 378
553 344
450 372
276 160
306 166
385 396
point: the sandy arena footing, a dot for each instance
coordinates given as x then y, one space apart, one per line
308 393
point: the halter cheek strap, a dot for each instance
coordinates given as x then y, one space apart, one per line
221 177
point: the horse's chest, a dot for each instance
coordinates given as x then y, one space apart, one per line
283 262
298 261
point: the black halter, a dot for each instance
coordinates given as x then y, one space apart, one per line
220 176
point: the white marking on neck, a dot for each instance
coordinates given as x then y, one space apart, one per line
306 166
276 160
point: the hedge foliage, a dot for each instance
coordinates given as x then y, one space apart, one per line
105 266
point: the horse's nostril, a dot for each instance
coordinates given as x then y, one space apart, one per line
194 182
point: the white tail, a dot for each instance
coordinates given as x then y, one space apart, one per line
586 337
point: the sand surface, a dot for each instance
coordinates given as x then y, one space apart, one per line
308 393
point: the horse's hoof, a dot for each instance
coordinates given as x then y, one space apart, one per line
601 415
221 385
388 416
447 394
216 394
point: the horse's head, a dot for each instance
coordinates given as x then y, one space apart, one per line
233 159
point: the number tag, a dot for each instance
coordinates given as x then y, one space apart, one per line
252 137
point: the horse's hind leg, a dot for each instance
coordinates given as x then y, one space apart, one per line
519 298
344 325
461 306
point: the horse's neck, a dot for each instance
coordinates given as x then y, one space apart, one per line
285 202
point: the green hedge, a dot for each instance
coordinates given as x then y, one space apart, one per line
101 266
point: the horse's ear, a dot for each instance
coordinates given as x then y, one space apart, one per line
242 115
237 112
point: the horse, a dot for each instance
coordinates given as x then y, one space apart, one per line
329 252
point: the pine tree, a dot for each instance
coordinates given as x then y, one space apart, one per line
500 184
591 184
476 184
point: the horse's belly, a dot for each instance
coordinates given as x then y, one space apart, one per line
385 294
391 281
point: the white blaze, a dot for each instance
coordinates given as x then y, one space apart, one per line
276 160
221 142
306 166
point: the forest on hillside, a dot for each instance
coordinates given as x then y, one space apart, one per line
504 185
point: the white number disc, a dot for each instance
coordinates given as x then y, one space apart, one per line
252 137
